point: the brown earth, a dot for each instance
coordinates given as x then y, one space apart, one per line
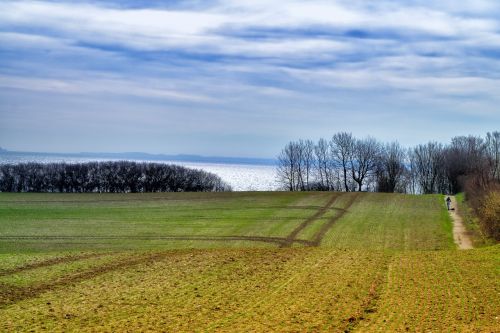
49 262
460 234
12 294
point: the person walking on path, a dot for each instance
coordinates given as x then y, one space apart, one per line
460 234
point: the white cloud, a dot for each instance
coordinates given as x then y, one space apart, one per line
160 29
423 87
257 63
89 86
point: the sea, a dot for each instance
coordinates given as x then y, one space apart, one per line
241 177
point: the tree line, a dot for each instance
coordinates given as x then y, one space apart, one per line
347 163
106 177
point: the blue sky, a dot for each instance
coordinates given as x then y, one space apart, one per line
242 78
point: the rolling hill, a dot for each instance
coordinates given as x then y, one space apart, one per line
236 262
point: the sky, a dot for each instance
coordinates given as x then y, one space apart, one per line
243 77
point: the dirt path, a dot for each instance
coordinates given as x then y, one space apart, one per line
460 235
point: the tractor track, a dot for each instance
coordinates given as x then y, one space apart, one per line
49 262
291 238
327 226
107 200
12 294
265 239
280 241
157 200
371 302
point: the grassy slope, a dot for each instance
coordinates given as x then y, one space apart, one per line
369 274
389 221
29 222
148 215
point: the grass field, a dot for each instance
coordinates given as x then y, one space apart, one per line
68 222
239 262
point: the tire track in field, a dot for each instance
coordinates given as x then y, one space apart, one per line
159 199
269 299
12 294
103 200
292 237
265 239
49 262
280 241
327 226
371 302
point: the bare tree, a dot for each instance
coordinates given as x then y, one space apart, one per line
390 168
350 164
427 161
307 163
342 146
465 156
364 160
296 163
325 168
287 167
493 153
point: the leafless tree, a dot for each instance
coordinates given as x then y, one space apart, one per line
427 162
350 164
307 162
295 165
493 153
364 160
288 166
342 146
325 173
411 174
465 156
391 168
322 152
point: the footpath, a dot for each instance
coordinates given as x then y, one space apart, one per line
460 235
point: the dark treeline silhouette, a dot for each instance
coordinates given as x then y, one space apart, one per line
106 177
347 163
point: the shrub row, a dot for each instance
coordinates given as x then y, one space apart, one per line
113 177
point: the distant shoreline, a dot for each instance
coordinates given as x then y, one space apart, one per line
242 174
152 157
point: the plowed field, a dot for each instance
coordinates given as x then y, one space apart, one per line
285 290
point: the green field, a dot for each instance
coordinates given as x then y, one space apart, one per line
239 262
59 222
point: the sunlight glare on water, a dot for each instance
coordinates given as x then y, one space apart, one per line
241 177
